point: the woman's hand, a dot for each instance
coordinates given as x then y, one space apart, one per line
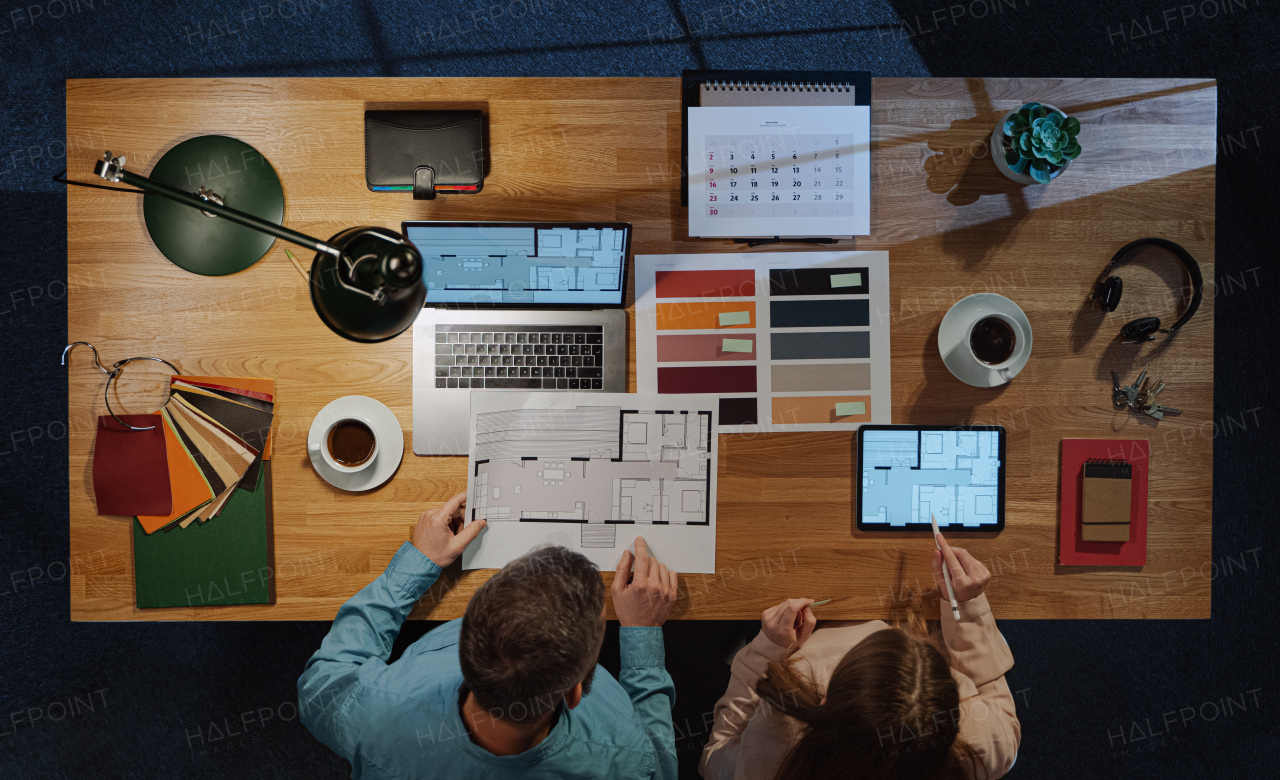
789 624
968 575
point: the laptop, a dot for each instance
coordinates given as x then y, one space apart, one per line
514 306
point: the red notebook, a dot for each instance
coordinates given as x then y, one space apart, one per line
1074 550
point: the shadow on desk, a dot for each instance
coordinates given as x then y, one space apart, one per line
945 400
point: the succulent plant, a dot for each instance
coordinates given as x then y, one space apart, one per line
1039 141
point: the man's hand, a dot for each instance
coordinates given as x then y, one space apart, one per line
789 624
439 533
968 575
642 598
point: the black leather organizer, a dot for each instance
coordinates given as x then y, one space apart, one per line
426 152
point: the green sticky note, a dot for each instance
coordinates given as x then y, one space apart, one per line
735 318
846 280
735 345
851 408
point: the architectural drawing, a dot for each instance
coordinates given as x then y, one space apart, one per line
908 475
594 466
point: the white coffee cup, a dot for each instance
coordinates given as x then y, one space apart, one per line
1020 344
322 446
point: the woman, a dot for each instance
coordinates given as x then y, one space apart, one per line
867 700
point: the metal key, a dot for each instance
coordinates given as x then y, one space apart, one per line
1148 405
1131 391
1118 397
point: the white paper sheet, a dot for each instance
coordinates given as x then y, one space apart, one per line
779 171
800 373
591 472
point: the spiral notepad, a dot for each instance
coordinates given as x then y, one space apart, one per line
777 93
778 154
1106 497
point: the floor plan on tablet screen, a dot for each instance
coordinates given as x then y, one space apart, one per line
908 475
592 472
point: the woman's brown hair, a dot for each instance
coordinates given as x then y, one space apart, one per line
892 712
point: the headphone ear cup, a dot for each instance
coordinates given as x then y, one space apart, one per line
1140 329
1108 293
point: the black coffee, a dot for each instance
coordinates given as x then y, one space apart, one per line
992 340
351 442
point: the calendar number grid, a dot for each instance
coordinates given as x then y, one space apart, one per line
796 175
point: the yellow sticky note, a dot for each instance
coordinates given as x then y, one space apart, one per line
735 318
846 280
851 409
735 345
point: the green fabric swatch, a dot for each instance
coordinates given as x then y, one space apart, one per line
851 408
226 560
846 280
735 318
735 345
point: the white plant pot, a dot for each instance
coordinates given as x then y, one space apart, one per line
997 149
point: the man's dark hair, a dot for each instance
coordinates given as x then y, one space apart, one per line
532 632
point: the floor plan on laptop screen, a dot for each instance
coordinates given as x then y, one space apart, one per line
908 474
591 472
521 263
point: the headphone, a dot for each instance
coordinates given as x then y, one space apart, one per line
1107 292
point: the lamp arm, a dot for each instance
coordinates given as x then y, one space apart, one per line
112 169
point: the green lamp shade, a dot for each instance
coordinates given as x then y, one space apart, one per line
384 262
241 177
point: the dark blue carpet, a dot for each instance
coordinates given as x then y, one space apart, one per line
1096 699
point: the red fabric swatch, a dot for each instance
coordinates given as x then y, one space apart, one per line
131 468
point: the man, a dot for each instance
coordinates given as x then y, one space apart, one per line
511 690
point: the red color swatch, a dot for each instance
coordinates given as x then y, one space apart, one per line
697 347
131 468
707 379
1074 551
706 284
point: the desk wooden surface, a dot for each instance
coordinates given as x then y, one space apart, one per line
609 149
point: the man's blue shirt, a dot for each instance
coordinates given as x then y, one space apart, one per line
402 720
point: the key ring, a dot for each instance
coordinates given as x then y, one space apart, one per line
112 373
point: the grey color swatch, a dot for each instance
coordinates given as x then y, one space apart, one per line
823 345
829 376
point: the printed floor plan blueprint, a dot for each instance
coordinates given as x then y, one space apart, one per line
591 472
909 474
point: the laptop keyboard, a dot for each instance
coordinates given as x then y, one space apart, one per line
519 357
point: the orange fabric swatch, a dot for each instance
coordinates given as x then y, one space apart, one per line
186 483
214 452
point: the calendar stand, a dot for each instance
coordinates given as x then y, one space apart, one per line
693 80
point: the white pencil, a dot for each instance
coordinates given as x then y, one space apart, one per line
946 573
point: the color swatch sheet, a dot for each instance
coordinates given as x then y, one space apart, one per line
790 341
591 472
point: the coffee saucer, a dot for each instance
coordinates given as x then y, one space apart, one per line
385 426
954 331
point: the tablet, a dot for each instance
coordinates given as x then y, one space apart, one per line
907 472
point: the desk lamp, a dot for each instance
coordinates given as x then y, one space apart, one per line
366 282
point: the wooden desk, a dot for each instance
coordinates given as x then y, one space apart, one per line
609 149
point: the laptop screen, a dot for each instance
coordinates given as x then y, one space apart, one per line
523 263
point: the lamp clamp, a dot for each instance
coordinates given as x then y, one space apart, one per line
109 167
